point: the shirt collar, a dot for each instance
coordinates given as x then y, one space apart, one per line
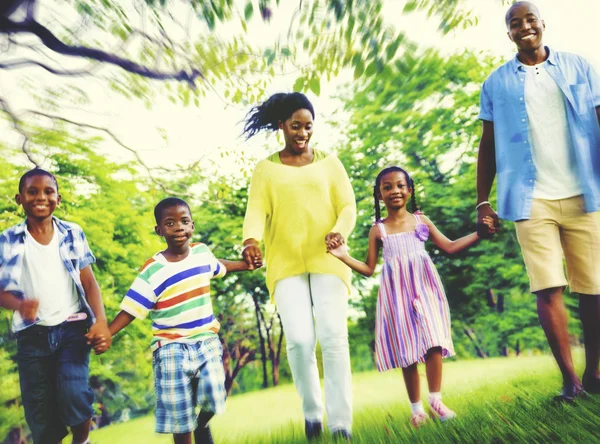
516 63
62 227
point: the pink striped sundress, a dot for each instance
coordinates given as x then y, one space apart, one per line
412 310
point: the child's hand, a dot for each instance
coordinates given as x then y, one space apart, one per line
340 251
333 240
489 223
252 256
99 337
28 309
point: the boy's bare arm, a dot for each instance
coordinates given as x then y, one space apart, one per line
122 320
234 265
92 293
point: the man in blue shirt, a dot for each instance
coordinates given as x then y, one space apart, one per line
541 138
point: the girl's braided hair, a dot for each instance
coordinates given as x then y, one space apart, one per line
377 194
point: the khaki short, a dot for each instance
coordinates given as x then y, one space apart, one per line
560 229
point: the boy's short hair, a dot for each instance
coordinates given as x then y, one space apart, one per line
169 202
36 172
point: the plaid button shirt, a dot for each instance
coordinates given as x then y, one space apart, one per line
74 252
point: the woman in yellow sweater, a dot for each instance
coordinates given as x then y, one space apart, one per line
300 201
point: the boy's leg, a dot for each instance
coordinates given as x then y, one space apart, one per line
330 299
182 438
202 433
210 391
37 375
174 365
75 396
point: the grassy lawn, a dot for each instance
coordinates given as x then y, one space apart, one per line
497 400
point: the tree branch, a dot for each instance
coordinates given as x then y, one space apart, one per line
17 124
23 62
8 26
117 140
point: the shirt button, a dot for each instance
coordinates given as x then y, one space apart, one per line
521 98
531 181
525 141
522 120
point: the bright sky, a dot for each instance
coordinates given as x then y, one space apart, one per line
192 133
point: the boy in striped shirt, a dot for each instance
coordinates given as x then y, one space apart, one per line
173 289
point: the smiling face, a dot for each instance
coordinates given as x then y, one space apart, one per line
176 226
525 26
394 190
38 196
297 131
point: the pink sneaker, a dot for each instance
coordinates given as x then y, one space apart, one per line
418 419
441 411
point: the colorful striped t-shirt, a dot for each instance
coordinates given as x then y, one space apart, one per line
176 296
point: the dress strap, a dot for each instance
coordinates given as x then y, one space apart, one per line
417 218
379 224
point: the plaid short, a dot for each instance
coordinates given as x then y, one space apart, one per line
187 376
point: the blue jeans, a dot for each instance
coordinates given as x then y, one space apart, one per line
54 375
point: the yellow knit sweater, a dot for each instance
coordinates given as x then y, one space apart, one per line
293 208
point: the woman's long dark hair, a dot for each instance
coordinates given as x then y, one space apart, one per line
409 182
278 107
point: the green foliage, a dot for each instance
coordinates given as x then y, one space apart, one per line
421 113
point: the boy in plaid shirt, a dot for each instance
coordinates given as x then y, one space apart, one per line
46 277
173 289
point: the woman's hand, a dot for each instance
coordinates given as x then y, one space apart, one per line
252 255
333 240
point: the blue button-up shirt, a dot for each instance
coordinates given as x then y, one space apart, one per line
503 103
74 252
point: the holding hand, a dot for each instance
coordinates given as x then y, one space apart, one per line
340 251
485 229
99 337
28 309
333 240
252 255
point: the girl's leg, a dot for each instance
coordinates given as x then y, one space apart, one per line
294 304
433 368
411 380
330 299
413 388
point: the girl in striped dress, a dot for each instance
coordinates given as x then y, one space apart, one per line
413 320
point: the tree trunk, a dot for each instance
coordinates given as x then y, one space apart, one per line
263 353
471 335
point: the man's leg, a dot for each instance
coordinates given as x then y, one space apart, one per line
202 433
553 318
589 312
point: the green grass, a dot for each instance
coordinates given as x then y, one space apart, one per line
497 400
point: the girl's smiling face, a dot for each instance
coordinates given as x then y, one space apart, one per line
394 190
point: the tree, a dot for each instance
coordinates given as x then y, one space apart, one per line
180 49
421 114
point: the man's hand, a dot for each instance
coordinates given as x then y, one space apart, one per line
483 226
28 309
99 337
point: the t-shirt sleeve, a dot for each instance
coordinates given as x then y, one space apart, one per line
217 268
486 108
140 298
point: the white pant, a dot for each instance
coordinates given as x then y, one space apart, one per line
295 297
